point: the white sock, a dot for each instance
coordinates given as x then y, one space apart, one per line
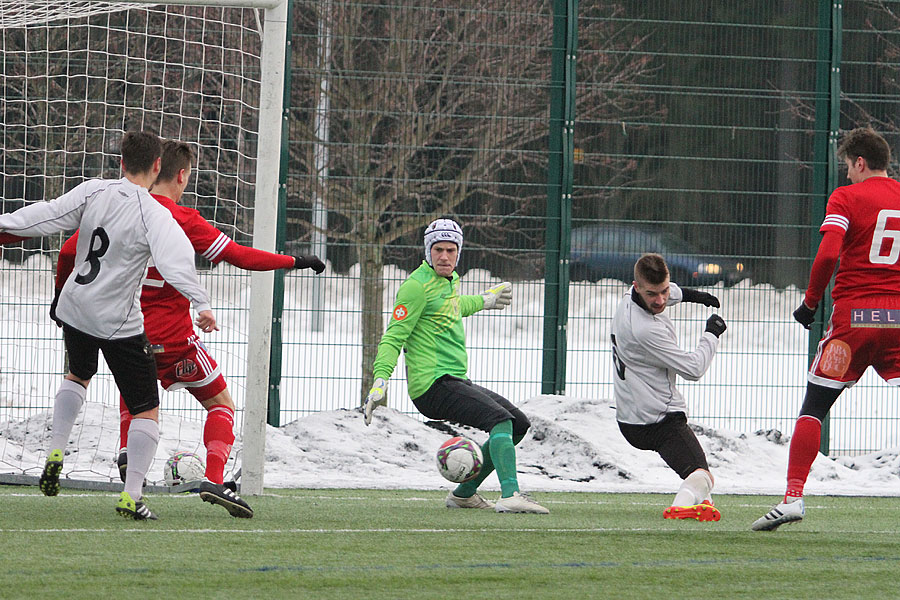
694 489
69 399
143 438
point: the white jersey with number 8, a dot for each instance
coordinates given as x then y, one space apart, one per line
121 226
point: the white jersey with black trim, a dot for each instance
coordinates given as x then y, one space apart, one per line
647 358
121 227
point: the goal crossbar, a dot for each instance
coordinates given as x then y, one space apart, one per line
226 3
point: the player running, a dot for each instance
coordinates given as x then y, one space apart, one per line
862 229
98 305
181 358
651 412
427 324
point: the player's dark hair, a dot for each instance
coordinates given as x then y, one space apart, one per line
176 156
651 268
865 142
140 149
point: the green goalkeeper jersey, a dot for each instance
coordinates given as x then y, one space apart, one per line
427 322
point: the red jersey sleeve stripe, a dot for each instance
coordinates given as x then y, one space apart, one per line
215 249
835 221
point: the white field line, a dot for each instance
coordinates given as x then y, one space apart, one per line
424 531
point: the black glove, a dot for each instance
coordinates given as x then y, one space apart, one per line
53 308
805 315
698 297
309 262
716 325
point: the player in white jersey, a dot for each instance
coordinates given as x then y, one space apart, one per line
651 412
122 227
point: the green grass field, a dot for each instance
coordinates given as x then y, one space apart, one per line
405 544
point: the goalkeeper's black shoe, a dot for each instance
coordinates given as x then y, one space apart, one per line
49 481
217 493
122 462
131 509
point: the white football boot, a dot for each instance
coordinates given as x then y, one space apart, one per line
784 512
476 501
519 503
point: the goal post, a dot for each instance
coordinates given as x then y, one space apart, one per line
269 186
96 156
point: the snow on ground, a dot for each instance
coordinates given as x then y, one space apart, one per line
574 445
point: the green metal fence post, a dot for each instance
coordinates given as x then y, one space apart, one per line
559 195
273 416
554 195
825 170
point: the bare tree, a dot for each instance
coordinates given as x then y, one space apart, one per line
433 106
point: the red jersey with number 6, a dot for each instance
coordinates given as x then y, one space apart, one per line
868 215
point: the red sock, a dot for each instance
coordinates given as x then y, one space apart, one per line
804 449
124 423
218 437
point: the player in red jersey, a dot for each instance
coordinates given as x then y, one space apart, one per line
181 358
862 229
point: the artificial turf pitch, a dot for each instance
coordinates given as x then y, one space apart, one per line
375 544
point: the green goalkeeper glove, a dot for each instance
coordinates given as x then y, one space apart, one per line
377 397
498 297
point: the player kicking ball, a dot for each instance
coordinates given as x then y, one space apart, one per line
651 412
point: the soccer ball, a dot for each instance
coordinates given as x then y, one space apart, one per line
183 467
459 459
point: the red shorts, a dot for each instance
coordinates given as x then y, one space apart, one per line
188 365
861 333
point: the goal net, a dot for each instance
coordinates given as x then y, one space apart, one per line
75 77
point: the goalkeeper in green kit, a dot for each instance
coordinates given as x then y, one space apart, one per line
427 322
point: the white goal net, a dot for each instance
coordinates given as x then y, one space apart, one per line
75 77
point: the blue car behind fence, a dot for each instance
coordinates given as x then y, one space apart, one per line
610 251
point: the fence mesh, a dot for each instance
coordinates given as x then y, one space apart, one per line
697 133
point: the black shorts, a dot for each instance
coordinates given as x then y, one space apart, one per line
453 399
672 439
129 360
